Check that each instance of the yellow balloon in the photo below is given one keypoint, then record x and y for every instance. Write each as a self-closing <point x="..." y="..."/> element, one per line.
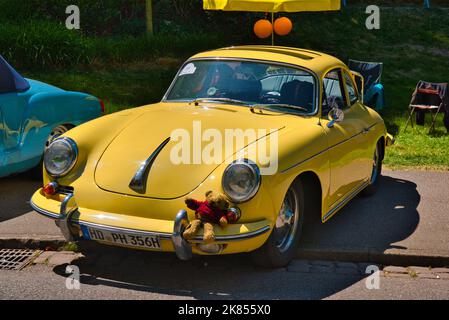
<point x="283" y="26"/>
<point x="263" y="28"/>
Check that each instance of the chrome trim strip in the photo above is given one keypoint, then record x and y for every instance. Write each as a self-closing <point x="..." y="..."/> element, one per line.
<point x="284" y="64"/>
<point x="139" y="181"/>
<point x="44" y="212"/>
<point x="327" y="149"/>
<point x="345" y="201"/>
<point x="242" y="236"/>
<point x="168" y="236"/>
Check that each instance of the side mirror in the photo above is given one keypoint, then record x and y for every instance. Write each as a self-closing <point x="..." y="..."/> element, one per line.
<point x="336" y="115"/>
<point x="360" y="82"/>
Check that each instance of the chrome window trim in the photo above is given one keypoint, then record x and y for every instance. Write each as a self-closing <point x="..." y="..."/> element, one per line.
<point x="276" y="63"/>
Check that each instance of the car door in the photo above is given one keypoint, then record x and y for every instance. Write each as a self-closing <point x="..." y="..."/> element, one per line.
<point x="359" y="112"/>
<point x="2" y="140"/>
<point x="12" y="112"/>
<point x="345" y="140"/>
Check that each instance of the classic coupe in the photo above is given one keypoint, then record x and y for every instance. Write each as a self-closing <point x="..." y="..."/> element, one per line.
<point x="123" y="179"/>
<point x="32" y="115"/>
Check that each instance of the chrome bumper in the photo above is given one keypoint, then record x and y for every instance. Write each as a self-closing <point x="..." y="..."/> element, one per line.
<point x="182" y="247"/>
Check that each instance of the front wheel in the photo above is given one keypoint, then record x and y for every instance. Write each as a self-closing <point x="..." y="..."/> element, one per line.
<point x="282" y="245"/>
<point x="376" y="171"/>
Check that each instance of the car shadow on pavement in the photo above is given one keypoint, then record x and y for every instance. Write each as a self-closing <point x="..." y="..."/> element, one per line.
<point x="204" y="278"/>
<point x="373" y="223"/>
<point x="15" y="195"/>
<point x="365" y="224"/>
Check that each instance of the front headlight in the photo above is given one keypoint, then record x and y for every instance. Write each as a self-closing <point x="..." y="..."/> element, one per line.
<point x="241" y="180"/>
<point x="60" y="157"/>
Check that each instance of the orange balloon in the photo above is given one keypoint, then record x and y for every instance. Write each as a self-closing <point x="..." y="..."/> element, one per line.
<point x="283" y="26"/>
<point x="263" y="28"/>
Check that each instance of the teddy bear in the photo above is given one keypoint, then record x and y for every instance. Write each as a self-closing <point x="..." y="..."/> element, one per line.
<point x="214" y="211"/>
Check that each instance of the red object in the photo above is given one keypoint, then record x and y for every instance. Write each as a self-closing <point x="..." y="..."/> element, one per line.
<point x="428" y="91"/>
<point x="50" y="189"/>
<point x="232" y="217"/>
<point x="102" y="105"/>
<point x="205" y="212"/>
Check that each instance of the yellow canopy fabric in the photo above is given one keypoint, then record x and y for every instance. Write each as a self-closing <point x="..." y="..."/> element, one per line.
<point x="272" y="5"/>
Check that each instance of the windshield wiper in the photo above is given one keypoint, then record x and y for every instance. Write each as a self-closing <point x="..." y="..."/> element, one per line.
<point x="222" y="100"/>
<point x="280" y="105"/>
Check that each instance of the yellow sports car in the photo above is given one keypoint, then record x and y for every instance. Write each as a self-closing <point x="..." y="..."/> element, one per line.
<point x="281" y="132"/>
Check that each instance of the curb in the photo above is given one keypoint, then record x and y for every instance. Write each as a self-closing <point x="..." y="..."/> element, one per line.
<point x="308" y="253"/>
<point x="31" y="243"/>
<point x="375" y="257"/>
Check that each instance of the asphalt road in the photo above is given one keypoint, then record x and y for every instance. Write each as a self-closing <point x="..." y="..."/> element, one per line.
<point x="129" y="276"/>
<point x="408" y="216"/>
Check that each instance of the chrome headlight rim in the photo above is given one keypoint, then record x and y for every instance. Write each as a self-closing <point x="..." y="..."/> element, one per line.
<point x="256" y="172"/>
<point x="74" y="157"/>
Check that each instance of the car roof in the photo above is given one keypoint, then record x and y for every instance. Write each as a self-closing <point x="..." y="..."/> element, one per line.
<point x="313" y="60"/>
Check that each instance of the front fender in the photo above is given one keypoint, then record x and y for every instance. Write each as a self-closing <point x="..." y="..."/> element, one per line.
<point x="46" y="111"/>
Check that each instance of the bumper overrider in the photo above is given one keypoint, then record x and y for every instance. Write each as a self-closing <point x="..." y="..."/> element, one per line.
<point x="68" y="218"/>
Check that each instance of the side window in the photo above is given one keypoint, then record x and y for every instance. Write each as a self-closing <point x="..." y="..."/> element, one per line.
<point x="352" y="92"/>
<point x="333" y="91"/>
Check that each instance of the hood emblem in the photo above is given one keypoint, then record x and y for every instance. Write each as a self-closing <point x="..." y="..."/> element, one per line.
<point x="139" y="181"/>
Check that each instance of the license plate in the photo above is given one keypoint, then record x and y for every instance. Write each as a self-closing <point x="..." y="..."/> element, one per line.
<point x="122" y="238"/>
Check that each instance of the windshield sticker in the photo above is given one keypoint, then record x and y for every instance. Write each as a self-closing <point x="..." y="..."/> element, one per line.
<point x="212" y="91"/>
<point x="188" y="69"/>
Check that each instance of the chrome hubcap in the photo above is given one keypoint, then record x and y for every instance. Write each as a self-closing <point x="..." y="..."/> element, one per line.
<point x="287" y="222"/>
<point x="375" y="166"/>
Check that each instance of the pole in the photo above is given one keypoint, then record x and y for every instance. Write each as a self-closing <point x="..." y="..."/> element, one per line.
<point x="149" y="14"/>
<point x="272" y="23"/>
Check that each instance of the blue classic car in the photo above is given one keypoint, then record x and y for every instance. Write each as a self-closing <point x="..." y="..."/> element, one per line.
<point x="32" y="114"/>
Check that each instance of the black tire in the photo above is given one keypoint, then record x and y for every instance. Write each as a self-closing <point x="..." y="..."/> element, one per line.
<point x="56" y="133"/>
<point x="420" y="117"/>
<point x="274" y="254"/>
<point x="377" y="171"/>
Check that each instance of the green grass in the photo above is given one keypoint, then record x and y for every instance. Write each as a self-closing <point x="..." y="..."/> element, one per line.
<point x="131" y="71"/>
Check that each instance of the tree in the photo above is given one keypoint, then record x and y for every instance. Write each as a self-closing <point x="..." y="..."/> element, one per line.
<point x="149" y="14"/>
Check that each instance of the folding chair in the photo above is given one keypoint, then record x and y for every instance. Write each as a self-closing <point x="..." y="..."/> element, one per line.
<point x="374" y="93"/>
<point x="427" y="97"/>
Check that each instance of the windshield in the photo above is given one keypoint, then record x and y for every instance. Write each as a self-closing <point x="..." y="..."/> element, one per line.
<point x="250" y="83"/>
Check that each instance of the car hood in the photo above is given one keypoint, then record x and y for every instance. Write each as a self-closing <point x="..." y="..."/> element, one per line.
<point x="147" y="138"/>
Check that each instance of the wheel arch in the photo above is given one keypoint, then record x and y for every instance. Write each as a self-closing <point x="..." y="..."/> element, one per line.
<point x="314" y="194"/>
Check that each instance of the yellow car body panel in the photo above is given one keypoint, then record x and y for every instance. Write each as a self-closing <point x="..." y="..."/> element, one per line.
<point x="112" y="148"/>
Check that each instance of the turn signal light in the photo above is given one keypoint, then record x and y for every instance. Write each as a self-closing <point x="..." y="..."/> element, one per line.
<point x="51" y="189"/>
